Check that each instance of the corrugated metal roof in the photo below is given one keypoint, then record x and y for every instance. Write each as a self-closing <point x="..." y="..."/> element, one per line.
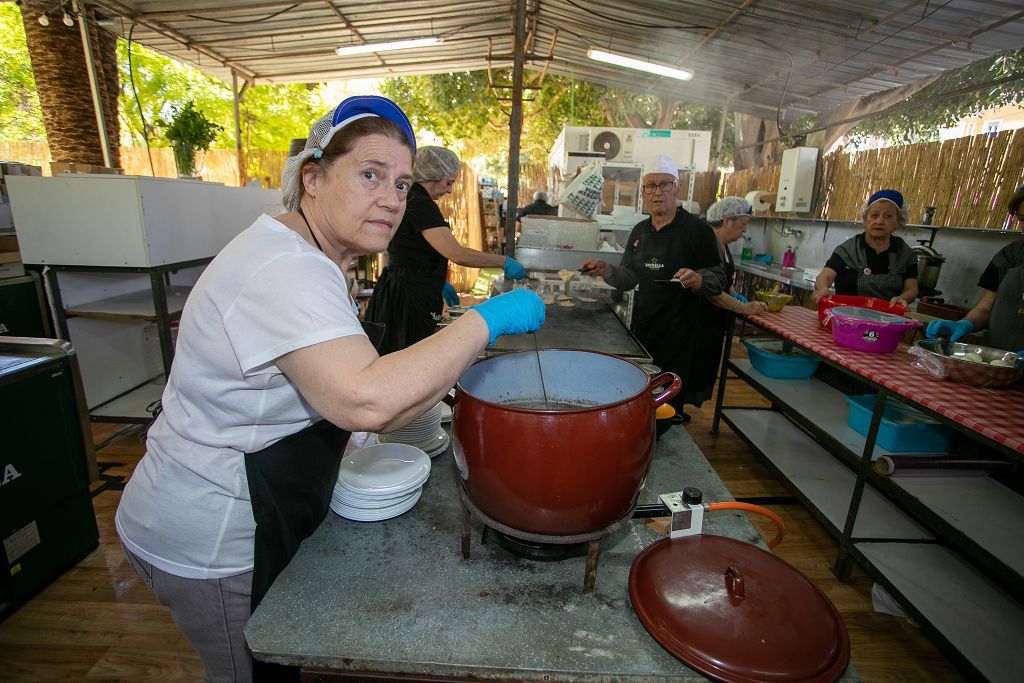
<point x="805" y="55"/>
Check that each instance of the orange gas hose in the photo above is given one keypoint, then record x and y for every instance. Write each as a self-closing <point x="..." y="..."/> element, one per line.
<point x="780" y="529"/>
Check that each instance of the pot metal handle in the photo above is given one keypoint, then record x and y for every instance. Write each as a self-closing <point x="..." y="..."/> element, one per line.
<point x="449" y="400"/>
<point x="734" y="583"/>
<point x="674" y="385"/>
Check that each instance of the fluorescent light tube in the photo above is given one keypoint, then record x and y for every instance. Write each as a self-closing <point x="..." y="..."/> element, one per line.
<point x="638" y="64"/>
<point x="384" y="47"/>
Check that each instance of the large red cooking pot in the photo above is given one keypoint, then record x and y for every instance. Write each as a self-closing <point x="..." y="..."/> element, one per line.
<point x="569" y="466"/>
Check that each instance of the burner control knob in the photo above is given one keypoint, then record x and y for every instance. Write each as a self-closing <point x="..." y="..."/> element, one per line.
<point x="692" y="496"/>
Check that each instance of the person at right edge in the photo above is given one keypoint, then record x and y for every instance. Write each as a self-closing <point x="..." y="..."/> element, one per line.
<point x="1001" y="308"/>
<point x="674" y="258"/>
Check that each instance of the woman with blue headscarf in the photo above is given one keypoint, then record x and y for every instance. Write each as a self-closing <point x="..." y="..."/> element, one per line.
<point x="273" y="370"/>
<point x="875" y="263"/>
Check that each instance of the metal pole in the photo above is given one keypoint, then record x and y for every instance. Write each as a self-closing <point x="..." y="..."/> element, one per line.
<point x="90" y="67"/>
<point x="721" y="134"/>
<point x="515" y="129"/>
<point x="238" y="130"/>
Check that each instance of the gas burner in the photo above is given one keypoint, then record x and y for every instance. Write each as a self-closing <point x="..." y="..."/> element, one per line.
<point x="540" y="546"/>
<point x="544" y="552"/>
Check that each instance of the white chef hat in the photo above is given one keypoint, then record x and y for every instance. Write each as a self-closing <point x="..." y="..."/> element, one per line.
<point x="662" y="164"/>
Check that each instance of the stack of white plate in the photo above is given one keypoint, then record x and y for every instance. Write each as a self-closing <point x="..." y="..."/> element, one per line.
<point x="425" y="433"/>
<point x="379" y="482"/>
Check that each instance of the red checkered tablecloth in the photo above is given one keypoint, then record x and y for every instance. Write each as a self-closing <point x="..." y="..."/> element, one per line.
<point x="997" y="414"/>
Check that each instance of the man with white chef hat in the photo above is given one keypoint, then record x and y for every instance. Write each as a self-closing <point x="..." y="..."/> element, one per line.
<point x="673" y="257"/>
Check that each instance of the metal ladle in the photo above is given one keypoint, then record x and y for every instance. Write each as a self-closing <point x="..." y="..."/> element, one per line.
<point x="536" y="351"/>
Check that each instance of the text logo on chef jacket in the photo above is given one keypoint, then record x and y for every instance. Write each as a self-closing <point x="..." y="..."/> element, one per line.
<point x="654" y="264"/>
<point x="10" y="474"/>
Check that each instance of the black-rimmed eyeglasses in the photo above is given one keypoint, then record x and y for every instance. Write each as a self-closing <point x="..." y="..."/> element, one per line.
<point x="649" y="188"/>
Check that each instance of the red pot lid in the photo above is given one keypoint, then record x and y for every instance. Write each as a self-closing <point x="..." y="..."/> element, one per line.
<point x="736" y="613"/>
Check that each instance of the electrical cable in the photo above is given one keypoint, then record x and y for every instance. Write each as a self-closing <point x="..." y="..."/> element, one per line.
<point x="135" y="92"/>
<point x="243" y="21"/>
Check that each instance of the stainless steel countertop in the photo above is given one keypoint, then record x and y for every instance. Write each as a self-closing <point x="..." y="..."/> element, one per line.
<point x="794" y="277"/>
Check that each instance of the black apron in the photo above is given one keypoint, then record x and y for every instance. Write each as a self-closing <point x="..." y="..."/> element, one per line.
<point x="715" y="322"/>
<point x="290" y="486"/>
<point x="1006" y="324"/>
<point x="666" y="316"/>
<point x="879" y="285"/>
<point x="407" y="301"/>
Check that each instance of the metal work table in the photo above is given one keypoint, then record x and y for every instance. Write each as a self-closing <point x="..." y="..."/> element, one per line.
<point x="396" y="598"/>
<point x="590" y="326"/>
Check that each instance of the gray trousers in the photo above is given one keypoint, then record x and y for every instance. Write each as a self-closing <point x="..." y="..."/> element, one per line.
<point x="211" y="613"/>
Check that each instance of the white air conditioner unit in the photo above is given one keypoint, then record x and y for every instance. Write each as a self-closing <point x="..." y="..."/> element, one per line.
<point x="617" y="144"/>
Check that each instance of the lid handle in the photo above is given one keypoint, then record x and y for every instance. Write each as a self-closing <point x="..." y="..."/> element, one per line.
<point x="734" y="583"/>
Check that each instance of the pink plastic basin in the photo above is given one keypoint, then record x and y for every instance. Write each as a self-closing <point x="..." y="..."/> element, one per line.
<point x="868" y="330"/>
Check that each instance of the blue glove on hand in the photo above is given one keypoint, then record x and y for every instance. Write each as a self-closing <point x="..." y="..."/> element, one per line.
<point x="743" y="299"/>
<point x="520" y="311"/>
<point x="450" y="296"/>
<point x="514" y="269"/>
<point x="953" y="329"/>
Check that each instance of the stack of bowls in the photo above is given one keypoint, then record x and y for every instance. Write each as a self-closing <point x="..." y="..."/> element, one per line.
<point x="379" y="482"/>
<point x="425" y="433"/>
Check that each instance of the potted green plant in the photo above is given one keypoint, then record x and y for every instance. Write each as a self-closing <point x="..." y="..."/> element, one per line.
<point x="188" y="131"/>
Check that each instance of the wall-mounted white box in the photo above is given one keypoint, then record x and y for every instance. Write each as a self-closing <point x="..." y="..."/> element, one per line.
<point x="796" y="179"/>
<point x="133" y="221"/>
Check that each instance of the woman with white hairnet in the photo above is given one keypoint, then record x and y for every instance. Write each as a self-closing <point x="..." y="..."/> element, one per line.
<point x="728" y="217"/>
<point x="874" y="263"/>
<point x="272" y="372"/>
<point x="409" y="296"/>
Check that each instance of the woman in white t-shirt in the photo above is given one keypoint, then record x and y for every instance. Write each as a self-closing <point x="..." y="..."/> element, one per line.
<point x="272" y="372"/>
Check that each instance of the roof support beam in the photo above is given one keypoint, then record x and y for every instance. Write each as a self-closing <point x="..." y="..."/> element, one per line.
<point x="114" y="7"/>
<point x="347" y="24"/>
<point x="515" y="128"/>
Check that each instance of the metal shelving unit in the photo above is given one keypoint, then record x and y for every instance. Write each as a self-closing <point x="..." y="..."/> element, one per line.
<point x="161" y="305"/>
<point x="946" y="547"/>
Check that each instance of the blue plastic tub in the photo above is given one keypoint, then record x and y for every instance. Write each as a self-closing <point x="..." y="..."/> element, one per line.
<point x="770" y="358"/>
<point x="902" y="430"/>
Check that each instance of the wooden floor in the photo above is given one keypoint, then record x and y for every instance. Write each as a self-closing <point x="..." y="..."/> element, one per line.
<point x="98" y="622"/>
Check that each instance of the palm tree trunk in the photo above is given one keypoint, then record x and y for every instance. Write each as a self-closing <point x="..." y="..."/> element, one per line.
<point x="58" y="64"/>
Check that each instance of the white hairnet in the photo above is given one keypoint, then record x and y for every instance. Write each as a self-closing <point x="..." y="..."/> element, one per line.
<point x="728" y="207"/>
<point x="540" y="196"/>
<point x="434" y="163"/>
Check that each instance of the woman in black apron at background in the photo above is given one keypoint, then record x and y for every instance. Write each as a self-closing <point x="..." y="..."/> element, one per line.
<point x="662" y="257"/>
<point x="875" y="263"/>
<point x="407" y="299"/>
<point x="272" y="372"/>
<point x="728" y="218"/>
<point x="1001" y="308"/>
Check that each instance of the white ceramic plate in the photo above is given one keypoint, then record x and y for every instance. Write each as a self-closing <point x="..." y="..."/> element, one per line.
<point x="346" y="498"/>
<point x="384" y="468"/>
<point x="446" y="412"/>
<point x="379" y="514"/>
<point x="441" y="445"/>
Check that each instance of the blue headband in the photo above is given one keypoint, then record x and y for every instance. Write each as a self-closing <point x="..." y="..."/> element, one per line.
<point x="361" y="106"/>
<point x="889" y="196"/>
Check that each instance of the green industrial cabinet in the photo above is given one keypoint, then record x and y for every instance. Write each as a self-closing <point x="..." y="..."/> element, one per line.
<point x="47" y="522"/>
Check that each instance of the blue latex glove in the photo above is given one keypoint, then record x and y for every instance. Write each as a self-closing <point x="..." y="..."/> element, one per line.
<point x="520" y="311"/>
<point x="514" y="269"/>
<point x="450" y="296"/>
<point x="953" y="329"/>
<point x="743" y="299"/>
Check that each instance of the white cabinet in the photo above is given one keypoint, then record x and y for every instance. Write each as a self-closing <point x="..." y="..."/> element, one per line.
<point x="121" y="254"/>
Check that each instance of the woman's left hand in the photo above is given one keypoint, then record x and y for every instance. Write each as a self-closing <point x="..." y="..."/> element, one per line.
<point x="513" y="269"/>
<point x="753" y="308"/>
<point x="899" y="301"/>
<point x="450" y="296"/>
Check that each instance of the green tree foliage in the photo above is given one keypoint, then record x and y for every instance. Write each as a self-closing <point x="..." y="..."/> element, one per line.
<point x="942" y="103"/>
<point x="470" y="111"/>
<point x="20" y="115"/>
<point x="270" y="115"/>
